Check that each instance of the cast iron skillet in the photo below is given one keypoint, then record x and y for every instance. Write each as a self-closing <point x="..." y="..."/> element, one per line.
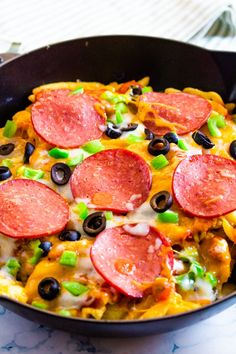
<point x="105" y="59"/>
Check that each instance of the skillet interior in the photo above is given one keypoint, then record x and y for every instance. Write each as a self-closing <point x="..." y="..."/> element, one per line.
<point x="105" y="59"/>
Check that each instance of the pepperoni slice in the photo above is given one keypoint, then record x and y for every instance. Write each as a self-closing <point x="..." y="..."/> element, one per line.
<point x="127" y="261"/>
<point x="205" y="185"/>
<point x="66" y="120"/>
<point x="31" y="209"/>
<point x="117" y="180"/>
<point x="186" y="112"/>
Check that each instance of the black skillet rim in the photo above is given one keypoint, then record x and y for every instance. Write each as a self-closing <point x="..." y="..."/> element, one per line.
<point x="86" y="39"/>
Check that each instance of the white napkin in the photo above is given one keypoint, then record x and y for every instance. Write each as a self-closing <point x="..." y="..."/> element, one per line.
<point x="220" y="33"/>
<point x="36" y="23"/>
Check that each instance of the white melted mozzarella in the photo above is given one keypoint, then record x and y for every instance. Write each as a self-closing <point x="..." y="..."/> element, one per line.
<point x="203" y="291"/>
<point x="140" y="216"/>
<point x="65" y="192"/>
<point x="192" y="150"/>
<point x="143" y="214"/>
<point x="78" y="152"/>
<point x="86" y="267"/>
<point x="68" y="300"/>
<point x="45" y="182"/>
<point x="179" y="267"/>
<point x="74" y="223"/>
<point x="137" y="230"/>
<point x="139" y="131"/>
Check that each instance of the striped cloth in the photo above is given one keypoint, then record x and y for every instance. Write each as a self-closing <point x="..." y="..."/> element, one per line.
<point x="34" y="23"/>
<point x="220" y="33"/>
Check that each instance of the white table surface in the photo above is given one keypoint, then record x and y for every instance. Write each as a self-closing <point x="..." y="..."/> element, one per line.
<point x="213" y="336"/>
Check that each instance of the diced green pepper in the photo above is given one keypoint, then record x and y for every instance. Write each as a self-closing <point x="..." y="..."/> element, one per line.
<point x="65" y="313"/>
<point x="185" y="281"/>
<point x="58" y="153"/>
<point x="119" y="98"/>
<point x="82" y="209"/>
<point x="74" y="161"/>
<point x="34" y="244"/>
<point x="37" y="252"/>
<point x="210" y="278"/>
<point x="220" y="121"/>
<point x="31" y="173"/>
<point x="182" y="145"/>
<point x="108" y="215"/>
<point x="122" y="107"/>
<point x="133" y="139"/>
<point x="113" y="97"/>
<point x="214" y="123"/>
<point x="119" y="117"/>
<point x="13" y="266"/>
<point x="36" y="257"/>
<point x="68" y="258"/>
<point x="77" y="91"/>
<point x="107" y="95"/>
<point x="147" y="89"/>
<point x="10" y="129"/>
<point x="39" y="305"/>
<point x="197" y="270"/>
<point x="93" y="147"/>
<point x="159" y="162"/>
<point x="75" y="288"/>
<point x="168" y="216"/>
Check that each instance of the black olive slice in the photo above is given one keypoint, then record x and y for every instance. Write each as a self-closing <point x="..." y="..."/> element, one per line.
<point x="158" y="146"/>
<point x="6" y="149"/>
<point x="29" y="149"/>
<point x="69" y="235"/>
<point x="202" y="139"/>
<point x="171" y="137"/>
<point x="232" y="149"/>
<point x="60" y="173"/>
<point x="149" y="134"/>
<point x="161" y="201"/>
<point x="5" y="173"/>
<point x="136" y="90"/>
<point x="130" y="127"/>
<point x="49" y="288"/>
<point x="94" y="223"/>
<point x="45" y="246"/>
<point x="113" y="131"/>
